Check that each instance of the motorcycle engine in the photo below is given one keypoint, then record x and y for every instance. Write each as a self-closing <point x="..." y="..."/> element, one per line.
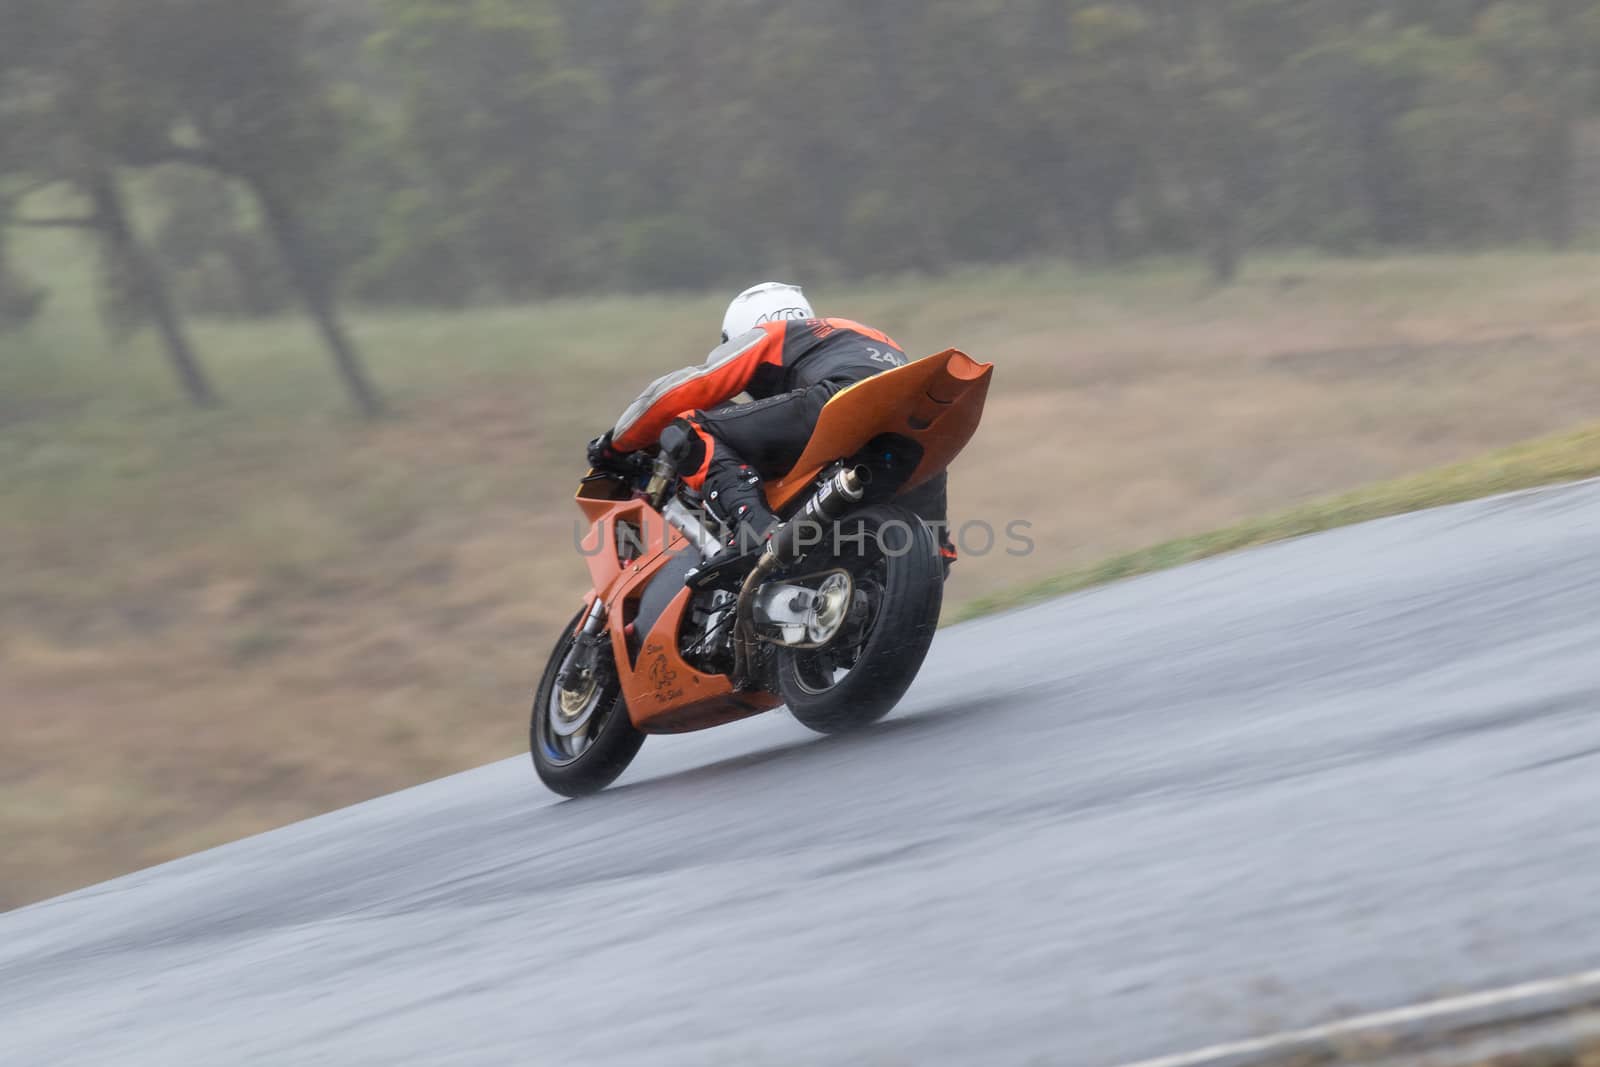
<point x="708" y="644"/>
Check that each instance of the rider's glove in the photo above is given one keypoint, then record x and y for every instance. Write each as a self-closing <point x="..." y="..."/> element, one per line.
<point x="602" y="455"/>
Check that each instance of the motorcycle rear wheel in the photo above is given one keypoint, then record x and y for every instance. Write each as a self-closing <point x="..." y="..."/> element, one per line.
<point x="899" y="580"/>
<point x="578" y="763"/>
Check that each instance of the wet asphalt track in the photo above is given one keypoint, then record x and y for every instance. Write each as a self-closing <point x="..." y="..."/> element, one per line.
<point x="1341" y="774"/>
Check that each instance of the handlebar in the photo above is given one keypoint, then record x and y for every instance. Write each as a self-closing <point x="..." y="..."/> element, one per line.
<point x="629" y="465"/>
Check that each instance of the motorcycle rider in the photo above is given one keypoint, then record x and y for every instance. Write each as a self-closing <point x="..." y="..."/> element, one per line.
<point x="776" y="349"/>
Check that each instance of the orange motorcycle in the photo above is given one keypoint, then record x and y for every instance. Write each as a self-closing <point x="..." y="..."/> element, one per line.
<point x="833" y="621"/>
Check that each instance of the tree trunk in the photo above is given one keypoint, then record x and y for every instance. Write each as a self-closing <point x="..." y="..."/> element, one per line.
<point x="311" y="282"/>
<point x="150" y="286"/>
<point x="1222" y="241"/>
<point x="1558" y="212"/>
<point x="1224" y="259"/>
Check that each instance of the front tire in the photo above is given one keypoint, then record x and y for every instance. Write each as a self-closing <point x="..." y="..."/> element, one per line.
<point x="577" y="760"/>
<point x="858" y="679"/>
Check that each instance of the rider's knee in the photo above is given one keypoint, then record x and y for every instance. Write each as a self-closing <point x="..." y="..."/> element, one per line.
<point x="679" y="442"/>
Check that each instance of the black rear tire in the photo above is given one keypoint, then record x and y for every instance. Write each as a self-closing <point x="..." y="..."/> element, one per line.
<point x="909" y="593"/>
<point x="614" y="740"/>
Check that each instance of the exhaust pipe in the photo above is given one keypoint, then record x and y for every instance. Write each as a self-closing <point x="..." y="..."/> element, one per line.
<point x="827" y="505"/>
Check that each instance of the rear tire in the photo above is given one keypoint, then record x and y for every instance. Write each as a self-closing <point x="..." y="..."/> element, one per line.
<point x="908" y="590"/>
<point x="611" y="739"/>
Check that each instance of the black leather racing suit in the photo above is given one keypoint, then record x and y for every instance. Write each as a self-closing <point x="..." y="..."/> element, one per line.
<point x="790" y="368"/>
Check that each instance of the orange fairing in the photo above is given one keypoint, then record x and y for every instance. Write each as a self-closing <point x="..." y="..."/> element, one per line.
<point x="935" y="402"/>
<point x="663" y="693"/>
<point x="643" y="534"/>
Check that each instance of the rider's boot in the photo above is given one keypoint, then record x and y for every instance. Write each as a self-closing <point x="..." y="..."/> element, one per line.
<point x="734" y="496"/>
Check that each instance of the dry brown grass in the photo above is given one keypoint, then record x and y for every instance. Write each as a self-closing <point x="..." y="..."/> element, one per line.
<point x="1551" y="1044"/>
<point x="213" y="624"/>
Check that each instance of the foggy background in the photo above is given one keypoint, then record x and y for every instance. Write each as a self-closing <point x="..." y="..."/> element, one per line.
<point x="441" y="152"/>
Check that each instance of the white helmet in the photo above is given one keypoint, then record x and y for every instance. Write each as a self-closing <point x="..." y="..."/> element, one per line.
<point x="764" y="303"/>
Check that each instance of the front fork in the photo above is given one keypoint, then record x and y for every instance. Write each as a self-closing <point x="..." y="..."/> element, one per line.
<point x="585" y="655"/>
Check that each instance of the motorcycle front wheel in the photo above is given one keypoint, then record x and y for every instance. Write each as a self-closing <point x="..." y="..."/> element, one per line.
<point x="898" y="577"/>
<point x="581" y="740"/>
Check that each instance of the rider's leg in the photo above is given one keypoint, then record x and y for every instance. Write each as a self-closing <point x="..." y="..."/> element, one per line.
<point x="734" y="495"/>
<point x="747" y="444"/>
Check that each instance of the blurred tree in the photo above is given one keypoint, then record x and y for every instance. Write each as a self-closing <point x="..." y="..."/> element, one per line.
<point x="446" y="151"/>
<point x="231" y="88"/>
<point x="207" y="232"/>
<point x="1105" y="100"/>
<point x="1206" y="126"/>
<point x="223" y="86"/>
<point x="71" y="108"/>
<point x="1544" y="52"/>
<point x="20" y="299"/>
<point x="500" y="121"/>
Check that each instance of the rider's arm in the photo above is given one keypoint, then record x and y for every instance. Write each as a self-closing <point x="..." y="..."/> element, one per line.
<point x="724" y="375"/>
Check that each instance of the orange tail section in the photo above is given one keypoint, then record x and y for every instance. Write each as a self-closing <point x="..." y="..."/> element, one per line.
<point x="936" y="402"/>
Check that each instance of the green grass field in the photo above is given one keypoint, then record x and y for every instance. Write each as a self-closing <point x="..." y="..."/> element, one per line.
<point x="214" y="622"/>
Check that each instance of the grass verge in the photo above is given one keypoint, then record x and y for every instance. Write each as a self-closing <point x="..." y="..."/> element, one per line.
<point x="1584" y="1055"/>
<point x="1549" y="460"/>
